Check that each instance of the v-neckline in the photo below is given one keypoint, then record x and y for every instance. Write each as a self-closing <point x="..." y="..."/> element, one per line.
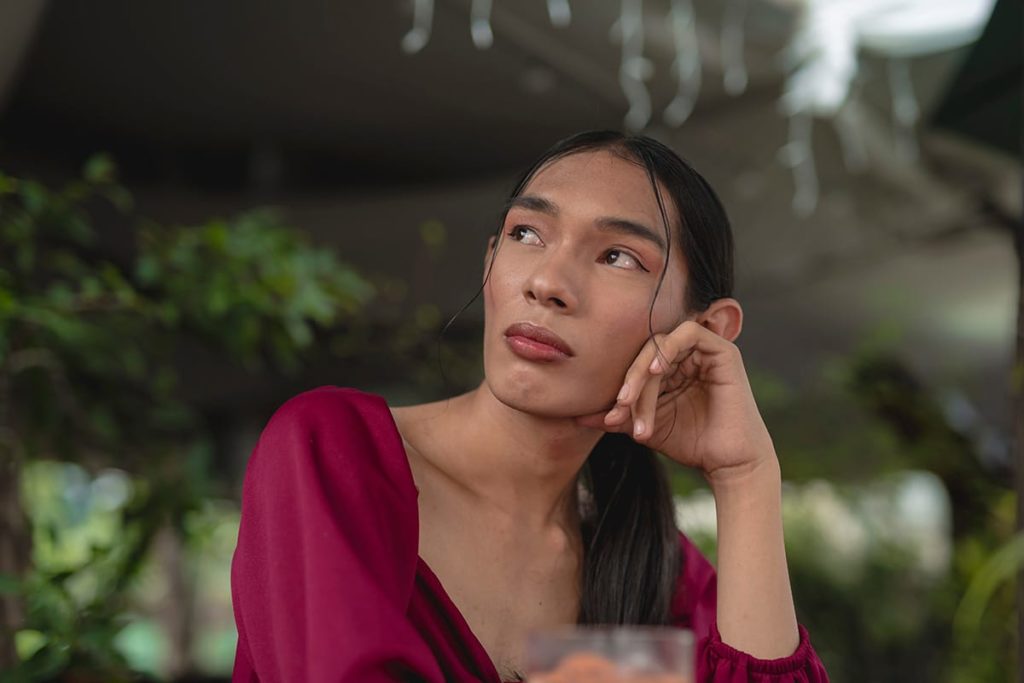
<point x="479" y="651"/>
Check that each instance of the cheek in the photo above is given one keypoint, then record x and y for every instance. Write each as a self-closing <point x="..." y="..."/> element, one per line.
<point x="623" y="332"/>
<point x="627" y="321"/>
<point x="670" y="306"/>
<point x="500" y="284"/>
<point x="502" y="289"/>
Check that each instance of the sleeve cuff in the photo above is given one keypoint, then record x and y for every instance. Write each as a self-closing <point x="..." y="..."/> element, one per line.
<point x="798" y="661"/>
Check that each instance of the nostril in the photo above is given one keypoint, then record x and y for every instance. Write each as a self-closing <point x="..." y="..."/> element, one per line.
<point x="558" y="302"/>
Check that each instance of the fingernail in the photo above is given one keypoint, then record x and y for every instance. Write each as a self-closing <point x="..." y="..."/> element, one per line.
<point x="623" y="392"/>
<point x="656" y="364"/>
<point x="638" y="428"/>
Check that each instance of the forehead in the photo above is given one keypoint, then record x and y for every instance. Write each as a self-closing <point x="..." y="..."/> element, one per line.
<point x="603" y="183"/>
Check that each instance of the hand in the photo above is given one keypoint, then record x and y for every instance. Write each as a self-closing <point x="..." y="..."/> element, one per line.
<point x="687" y="395"/>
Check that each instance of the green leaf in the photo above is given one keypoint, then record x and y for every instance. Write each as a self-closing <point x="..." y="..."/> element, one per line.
<point x="35" y="197"/>
<point x="147" y="269"/>
<point x="300" y="333"/>
<point x="100" y="169"/>
<point x="8" y="185"/>
<point x="120" y="198"/>
<point x="7" y="302"/>
<point x="78" y="230"/>
<point x="28" y="642"/>
<point x="47" y="662"/>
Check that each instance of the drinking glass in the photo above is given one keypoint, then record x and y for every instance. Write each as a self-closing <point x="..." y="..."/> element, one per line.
<point x="610" y="654"/>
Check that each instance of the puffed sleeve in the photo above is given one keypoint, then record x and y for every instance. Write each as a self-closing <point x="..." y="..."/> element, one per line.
<point x="327" y="550"/>
<point x="695" y="607"/>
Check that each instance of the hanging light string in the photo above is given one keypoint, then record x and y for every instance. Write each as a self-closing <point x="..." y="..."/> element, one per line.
<point x="559" y="13"/>
<point x="419" y="35"/>
<point x="734" y="68"/>
<point x="634" y="69"/>
<point x="821" y="61"/>
<point x="480" y="24"/>
<point x="798" y="155"/>
<point x="686" y="65"/>
<point x="905" y="110"/>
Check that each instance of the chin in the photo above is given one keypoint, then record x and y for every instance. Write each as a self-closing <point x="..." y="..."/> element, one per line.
<point x="543" y="397"/>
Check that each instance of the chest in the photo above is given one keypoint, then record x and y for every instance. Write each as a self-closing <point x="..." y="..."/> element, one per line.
<point x="502" y="601"/>
<point x="503" y="590"/>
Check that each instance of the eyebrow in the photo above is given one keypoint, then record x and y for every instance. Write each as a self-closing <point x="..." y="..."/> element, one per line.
<point x="607" y="223"/>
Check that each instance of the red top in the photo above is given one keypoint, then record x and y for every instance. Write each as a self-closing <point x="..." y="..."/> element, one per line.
<point x="327" y="583"/>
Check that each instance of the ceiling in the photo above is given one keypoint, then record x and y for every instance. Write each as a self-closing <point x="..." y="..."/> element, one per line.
<point x="213" y="107"/>
<point x="326" y="91"/>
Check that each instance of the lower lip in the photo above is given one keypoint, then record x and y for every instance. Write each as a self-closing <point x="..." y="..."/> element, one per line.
<point x="531" y="349"/>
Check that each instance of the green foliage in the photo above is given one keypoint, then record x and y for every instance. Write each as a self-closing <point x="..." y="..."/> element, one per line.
<point x="885" y="598"/>
<point x="866" y="420"/>
<point x="249" y="276"/>
<point x="88" y="353"/>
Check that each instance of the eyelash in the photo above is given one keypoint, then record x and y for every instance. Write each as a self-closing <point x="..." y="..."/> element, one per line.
<point x="630" y="255"/>
<point x="516" y="230"/>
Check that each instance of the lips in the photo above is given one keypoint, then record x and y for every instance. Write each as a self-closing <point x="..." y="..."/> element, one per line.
<point x="536" y="342"/>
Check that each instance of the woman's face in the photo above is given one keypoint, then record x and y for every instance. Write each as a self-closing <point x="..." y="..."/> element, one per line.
<point x="579" y="257"/>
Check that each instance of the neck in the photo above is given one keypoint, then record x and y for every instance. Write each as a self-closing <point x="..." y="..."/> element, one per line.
<point x="520" y="466"/>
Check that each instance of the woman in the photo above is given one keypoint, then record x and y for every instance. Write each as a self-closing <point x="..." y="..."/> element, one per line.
<point x="424" y="542"/>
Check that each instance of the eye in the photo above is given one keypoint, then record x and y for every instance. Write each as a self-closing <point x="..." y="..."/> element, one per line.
<point x="521" y="233"/>
<point x="622" y="259"/>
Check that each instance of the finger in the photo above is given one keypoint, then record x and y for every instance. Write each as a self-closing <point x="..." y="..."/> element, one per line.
<point x="644" y="409"/>
<point x="593" y="420"/>
<point x="673" y="384"/>
<point x="619" y="423"/>
<point x="617" y="415"/>
<point x="663" y="351"/>
<point x="692" y="335"/>
<point x="639" y="371"/>
<point x="695" y="351"/>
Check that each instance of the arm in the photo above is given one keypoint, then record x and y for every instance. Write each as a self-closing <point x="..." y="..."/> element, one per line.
<point x="695" y="606"/>
<point x="688" y="396"/>
<point x="326" y="557"/>
<point x="755" y="602"/>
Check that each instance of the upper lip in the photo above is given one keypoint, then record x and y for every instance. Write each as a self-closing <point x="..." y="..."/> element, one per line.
<point x="539" y="334"/>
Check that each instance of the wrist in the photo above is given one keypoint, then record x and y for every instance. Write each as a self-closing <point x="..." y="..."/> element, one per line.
<point x="763" y="473"/>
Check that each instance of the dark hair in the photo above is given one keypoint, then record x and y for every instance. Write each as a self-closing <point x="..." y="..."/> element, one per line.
<point x="631" y="545"/>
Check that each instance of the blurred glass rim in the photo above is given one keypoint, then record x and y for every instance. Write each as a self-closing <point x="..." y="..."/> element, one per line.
<point x="614" y="635"/>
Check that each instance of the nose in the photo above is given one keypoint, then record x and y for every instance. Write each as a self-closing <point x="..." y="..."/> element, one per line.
<point x="551" y="284"/>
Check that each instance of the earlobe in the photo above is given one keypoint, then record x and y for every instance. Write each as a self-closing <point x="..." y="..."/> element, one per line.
<point x="724" y="317"/>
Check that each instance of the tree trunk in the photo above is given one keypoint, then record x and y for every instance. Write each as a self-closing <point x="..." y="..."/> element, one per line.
<point x="178" y="612"/>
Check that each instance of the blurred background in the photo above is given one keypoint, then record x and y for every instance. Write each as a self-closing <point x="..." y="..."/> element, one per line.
<point x="206" y="208"/>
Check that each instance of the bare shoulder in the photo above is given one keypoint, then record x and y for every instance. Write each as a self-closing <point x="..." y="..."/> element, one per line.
<point x="422" y="427"/>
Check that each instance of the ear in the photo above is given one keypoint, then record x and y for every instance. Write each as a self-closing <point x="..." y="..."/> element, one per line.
<point x="724" y="317"/>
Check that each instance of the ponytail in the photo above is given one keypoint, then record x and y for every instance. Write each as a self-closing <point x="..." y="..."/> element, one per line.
<point x="631" y="547"/>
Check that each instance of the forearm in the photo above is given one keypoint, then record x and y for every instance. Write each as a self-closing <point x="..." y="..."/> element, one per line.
<point x="755" y="601"/>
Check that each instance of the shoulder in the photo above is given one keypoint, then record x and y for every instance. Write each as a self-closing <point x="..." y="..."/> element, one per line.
<point x="330" y="415"/>
<point x="327" y="407"/>
<point x="330" y="429"/>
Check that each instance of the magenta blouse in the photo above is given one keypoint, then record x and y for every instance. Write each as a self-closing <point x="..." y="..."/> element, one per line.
<point x="328" y="585"/>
